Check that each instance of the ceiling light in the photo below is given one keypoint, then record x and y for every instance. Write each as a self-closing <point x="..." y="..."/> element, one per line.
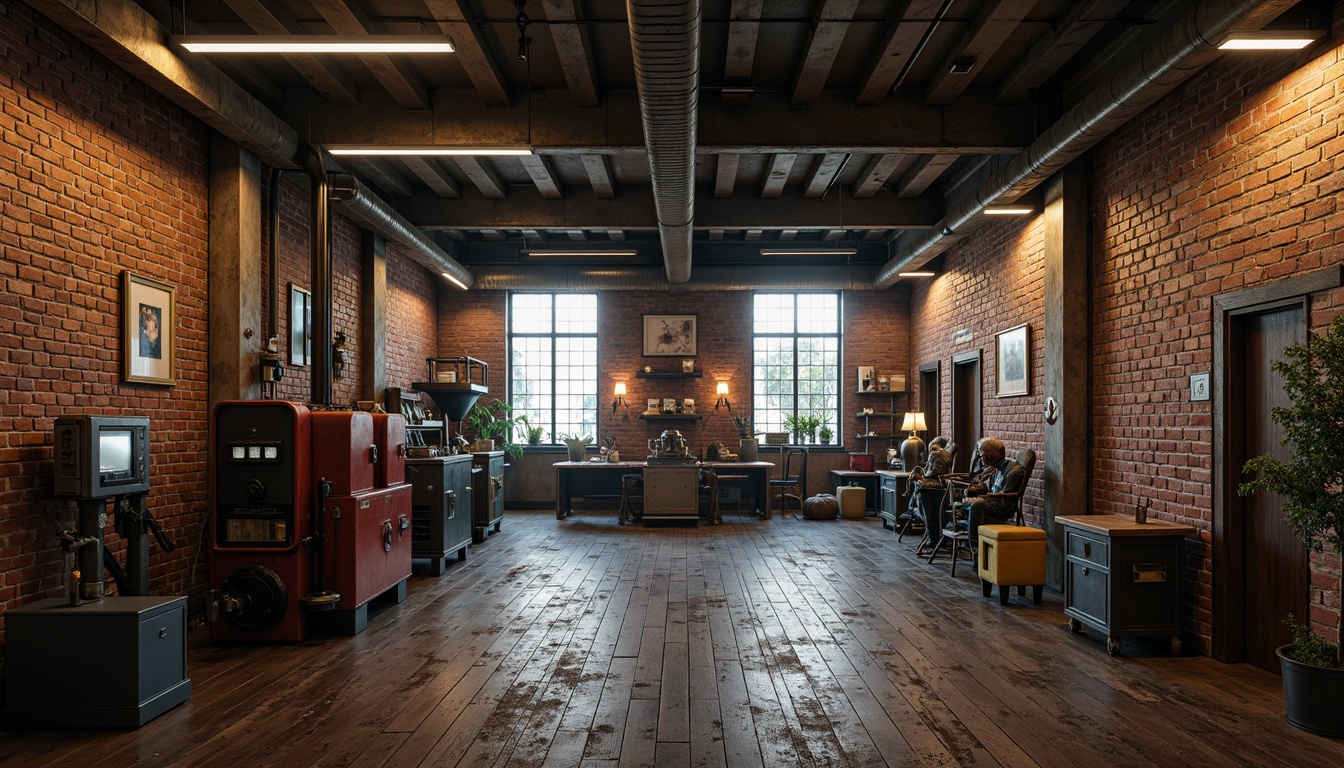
<point x="917" y="274"/>
<point x="809" y="252"/>
<point x="315" y="43"/>
<point x="1271" y="40"/>
<point x="457" y="282"/>
<point x="581" y="253"/>
<point x="427" y="149"/>
<point x="1009" y="210"/>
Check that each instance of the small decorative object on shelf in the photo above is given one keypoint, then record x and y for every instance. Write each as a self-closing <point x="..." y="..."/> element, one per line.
<point x="866" y="378"/>
<point x="883" y="384"/>
<point x="687" y="366"/>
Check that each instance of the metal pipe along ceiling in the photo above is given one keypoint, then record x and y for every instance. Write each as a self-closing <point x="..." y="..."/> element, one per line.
<point x="1183" y="50"/>
<point x="665" y="43"/>
<point x="707" y="278"/>
<point x="360" y="204"/>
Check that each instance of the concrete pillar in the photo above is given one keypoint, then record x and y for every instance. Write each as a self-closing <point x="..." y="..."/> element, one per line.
<point x="236" y="324"/>
<point x="373" y="338"/>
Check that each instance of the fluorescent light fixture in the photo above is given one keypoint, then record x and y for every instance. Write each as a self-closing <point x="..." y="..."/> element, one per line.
<point x="809" y="252"/>
<point x="1271" y="40"/>
<point x="581" y="253"/>
<point x="370" y="150"/>
<point x="917" y="274"/>
<point x="454" y="280"/>
<point x="314" y="43"/>
<point x="1009" y="210"/>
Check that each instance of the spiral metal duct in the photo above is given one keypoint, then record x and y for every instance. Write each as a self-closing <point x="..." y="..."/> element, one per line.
<point x="665" y="42"/>
<point x="1186" y="47"/>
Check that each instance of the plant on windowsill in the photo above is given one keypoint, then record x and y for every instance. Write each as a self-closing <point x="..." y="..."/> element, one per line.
<point x="534" y="435"/>
<point x="495" y="421"/>
<point x="807" y="425"/>
<point x="825" y="433"/>
<point x="1312" y="484"/>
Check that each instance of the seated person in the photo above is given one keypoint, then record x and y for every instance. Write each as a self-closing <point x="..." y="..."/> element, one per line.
<point x="938" y="464"/>
<point x="1007" y="477"/>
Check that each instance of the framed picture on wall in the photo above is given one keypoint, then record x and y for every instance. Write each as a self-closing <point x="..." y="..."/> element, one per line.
<point x="1012" y="361"/>
<point x="300" y="326"/>
<point x="147" y="311"/>
<point x="669" y="335"/>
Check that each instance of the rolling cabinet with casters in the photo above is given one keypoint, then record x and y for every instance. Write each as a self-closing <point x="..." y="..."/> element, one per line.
<point x="441" y="509"/>
<point x="1123" y="578"/>
<point x="487" y="500"/>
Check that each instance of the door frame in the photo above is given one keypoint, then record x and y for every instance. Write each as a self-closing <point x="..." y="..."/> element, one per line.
<point x="963" y="359"/>
<point x="931" y="396"/>
<point x="1228" y="530"/>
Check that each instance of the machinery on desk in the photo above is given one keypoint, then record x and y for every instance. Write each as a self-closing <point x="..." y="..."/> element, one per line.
<point x="671" y="479"/>
<point x="455" y="384"/>
<point x="309" y="521"/>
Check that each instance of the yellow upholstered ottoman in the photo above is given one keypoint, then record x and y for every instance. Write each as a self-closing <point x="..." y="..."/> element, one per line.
<point x="1012" y="556"/>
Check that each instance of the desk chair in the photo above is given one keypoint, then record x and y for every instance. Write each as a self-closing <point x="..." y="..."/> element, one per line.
<point x="792" y="485"/>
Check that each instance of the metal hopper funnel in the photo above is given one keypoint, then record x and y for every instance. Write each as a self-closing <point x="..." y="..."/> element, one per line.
<point x="455" y="384"/>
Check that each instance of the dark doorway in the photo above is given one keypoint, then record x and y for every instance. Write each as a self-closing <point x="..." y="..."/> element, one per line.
<point x="931" y="398"/>
<point x="1275" y="568"/>
<point x="965" y="407"/>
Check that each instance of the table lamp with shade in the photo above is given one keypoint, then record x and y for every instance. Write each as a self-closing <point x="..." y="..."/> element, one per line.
<point x="912" y="449"/>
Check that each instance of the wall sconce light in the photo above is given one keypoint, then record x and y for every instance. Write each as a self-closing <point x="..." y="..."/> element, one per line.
<point x="721" y="389"/>
<point x="338" y="355"/>
<point x="620" y="398"/>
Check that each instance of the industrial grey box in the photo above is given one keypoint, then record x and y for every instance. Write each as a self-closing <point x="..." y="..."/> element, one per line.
<point x="115" y="663"/>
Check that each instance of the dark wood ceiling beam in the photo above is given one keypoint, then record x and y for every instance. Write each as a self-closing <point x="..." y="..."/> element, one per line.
<point x="395" y="74"/>
<point x="472" y="52"/>
<point x="542" y="171"/>
<point x="743" y="29"/>
<point x="633" y="211"/>
<point x="725" y="174"/>
<point x="715" y="235"/>
<point x="574" y="49"/>
<point x="777" y="175"/>
<point x="753" y="235"/>
<point x="433" y="175"/>
<point x="494" y="235"/>
<point x="832" y="235"/>
<point x="996" y="22"/>
<point x="325" y="76"/>
<point x="483" y="176"/>
<point x="824" y="40"/>
<point x="1060" y="43"/>
<point x="878" y="172"/>
<point x="898" y="45"/>
<point x="788" y="234"/>
<point x="616" y="235"/>
<point x="973" y="124"/>
<point x="577" y="235"/>
<point x="599" y="175"/>
<point x="380" y="174"/>
<point x="823" y="174"/>
<point x="923" y="174"/>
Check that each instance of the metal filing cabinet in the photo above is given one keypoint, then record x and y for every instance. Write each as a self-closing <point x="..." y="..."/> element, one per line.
<point x="115" y="663"/>
<point x="441" y="509"/>
<point x="487" y="500"/>
<point x="1123" y="578"/>
<point x="889" y="498"/>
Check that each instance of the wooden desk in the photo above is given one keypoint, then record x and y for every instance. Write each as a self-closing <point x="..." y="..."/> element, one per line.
<point x="603" y="479"/>
<point x="868" y="480"/>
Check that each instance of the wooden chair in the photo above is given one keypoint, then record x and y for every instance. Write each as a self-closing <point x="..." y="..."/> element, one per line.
<point x="959" y="533"/>
<point x="792" y="484"/>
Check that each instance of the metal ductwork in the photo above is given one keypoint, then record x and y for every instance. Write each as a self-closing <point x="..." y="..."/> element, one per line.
<point x="707" y="278"/>
<point x="360" y="204"/>
<point x="1182" y="51"/>
<point x="665" y="42"/>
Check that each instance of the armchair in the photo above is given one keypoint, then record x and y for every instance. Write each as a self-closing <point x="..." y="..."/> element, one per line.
<point x="955" y="526"/>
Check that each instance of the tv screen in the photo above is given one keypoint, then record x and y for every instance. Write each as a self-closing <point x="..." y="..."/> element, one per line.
<point x="114" y="452"/>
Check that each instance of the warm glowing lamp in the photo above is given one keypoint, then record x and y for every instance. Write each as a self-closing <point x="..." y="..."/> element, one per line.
<point x="912" y="449"/>
<point x="620" y="398"/>
<point x="721" y="389"/>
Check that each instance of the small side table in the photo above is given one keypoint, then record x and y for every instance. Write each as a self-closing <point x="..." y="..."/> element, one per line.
<point x="1124" y="578"/>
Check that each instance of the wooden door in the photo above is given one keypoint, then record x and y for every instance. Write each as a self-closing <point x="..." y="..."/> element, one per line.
<point x="1275" y="565"/>
<point x="965" y="407"/>
<point x="930" y="399"/>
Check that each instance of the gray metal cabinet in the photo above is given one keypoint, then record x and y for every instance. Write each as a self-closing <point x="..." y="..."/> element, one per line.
<point x="441" y="509"/>
<point x="487" y="501"/>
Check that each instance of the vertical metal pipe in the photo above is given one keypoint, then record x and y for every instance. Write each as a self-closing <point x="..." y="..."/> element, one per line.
<point x="273" y="252"/>
<point x="320" y="220"/>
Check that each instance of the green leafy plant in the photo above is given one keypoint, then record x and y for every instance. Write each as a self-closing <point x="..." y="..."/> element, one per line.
<point x="495" y="421"/>
<point x="743" y="427"/>
<point x="807" y="425"/>
<point x="794" y="427"/>
<point x="1310" y="648"/>
<point x="534" y="435"/>
<point x="1312" y="480"/>
<point x="825" y="433"/>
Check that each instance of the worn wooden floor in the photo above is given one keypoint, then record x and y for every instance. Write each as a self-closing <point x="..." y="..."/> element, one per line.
<point x="756" y="643"/>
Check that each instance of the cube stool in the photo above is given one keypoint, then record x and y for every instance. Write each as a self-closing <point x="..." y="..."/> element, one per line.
<point x="1012" y="556"/>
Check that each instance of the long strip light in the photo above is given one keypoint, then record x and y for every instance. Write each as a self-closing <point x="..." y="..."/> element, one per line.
<point x="920" y="273"/>
<point x="454" y="280"/>
<point x="1009" y="210"/>
<point x="383" y="150"/>
<point x="562" y="253"/>
<point x="1271" y="40"/>
<point x="808" y="252"/>
<point x="314" y="43"/>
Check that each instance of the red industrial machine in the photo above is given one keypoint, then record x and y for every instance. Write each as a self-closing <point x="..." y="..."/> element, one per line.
<point x="311" y="520"/>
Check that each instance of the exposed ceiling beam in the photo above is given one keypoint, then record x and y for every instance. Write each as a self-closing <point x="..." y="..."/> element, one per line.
<point x="827" y="34"/>
<point x="599" y="175"/>
<point x="434" y="175"/>
<point x="543" y="174"/>
<point x="725" y="174"/>
<point x="987" y="34"/>
<point x="325" y="76"/>
<point x="1059" y="44"/>
<point x="922" y="174"/>
<point x="753" y="235"/>
<point x="898" y="46"/>
<point x="823" y="173"/>
<point x="380" y="174"/>
<point x="574" y="48"/>
<point x="715" y="235"/>
<point x="577" y="235"/>
<point x="777" y="174"/>
<point x="743" y="29"/>
<point x="878" y="172"/>
<point x="472" y="53"/>
<point x="395" y="74"/>
<point x="483" y="176"/>
<point x="616" y="235"/>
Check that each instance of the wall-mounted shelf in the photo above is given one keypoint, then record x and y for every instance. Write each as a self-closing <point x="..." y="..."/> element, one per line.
<point x="671" y="416"/>
<point x="892" y="416"/>
<point x="672" y="375"/>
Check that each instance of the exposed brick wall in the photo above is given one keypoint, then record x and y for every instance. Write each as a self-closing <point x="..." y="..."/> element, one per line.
<point x="97" y="175"/>
<point x="412" y="318"/>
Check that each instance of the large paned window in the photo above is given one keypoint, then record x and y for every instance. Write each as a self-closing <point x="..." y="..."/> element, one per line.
<point x="795" y="359"/>
<point x="553" y="362"/>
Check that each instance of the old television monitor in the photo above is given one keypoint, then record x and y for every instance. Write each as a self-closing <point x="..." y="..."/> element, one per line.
<point x="101" y="456"/>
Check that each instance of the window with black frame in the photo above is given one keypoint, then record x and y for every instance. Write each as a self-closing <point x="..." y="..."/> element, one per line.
<point x="553" y="363"/>
<point x="796" y="363"/>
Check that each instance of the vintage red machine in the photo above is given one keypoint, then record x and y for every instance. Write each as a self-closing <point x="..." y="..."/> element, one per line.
<point x="310" y="520"/>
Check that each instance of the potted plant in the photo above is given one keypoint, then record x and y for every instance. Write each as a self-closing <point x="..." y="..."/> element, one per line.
<point x="825" y="433"/>
<point x="1312" y="483"/>
<point x="575" y="443"/>
<point x="794" y="426"/>
<point x="534" y="435"/>
<point x="495" y="421"/>
<point x="746" y="447"/>
<point x="807" y="425"/>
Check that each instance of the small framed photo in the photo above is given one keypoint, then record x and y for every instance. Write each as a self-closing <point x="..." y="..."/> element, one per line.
<point x="688" y="366"/>
<point x="669" y="335"/>
<point x="867" y="378"/>
<point x="1012" y="361"/>
<point x="669" y="405"/>
<point x="147" y="310"/>
<point x="300" y="326"/>
<point x="688" y="405"/>
<point x="653" y="405"/>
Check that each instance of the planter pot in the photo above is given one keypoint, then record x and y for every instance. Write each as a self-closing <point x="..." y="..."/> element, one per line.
<point x="575" y="450"/>
<point x="746" y="450"/>
<point x="1313" y="698"/>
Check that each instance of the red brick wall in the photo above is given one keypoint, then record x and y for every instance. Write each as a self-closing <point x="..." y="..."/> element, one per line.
<point x="412" y="318"/>
<point x="97" y="175"/>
